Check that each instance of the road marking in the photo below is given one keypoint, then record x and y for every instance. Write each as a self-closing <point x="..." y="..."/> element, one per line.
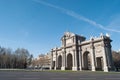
<point x="31" y="75"/>
<point x="88" y="78"/>
<point x="27" y="78"/>
<point x="113" y="78"/>
<point x="56" y="75"/>
<point x="58" y="78"/>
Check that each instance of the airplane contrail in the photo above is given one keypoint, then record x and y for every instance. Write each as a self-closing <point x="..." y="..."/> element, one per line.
<point x="76" y="15"/>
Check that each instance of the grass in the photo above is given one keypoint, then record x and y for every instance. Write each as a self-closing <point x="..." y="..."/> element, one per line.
<point x="12" y="69"/>
<point x="36" y="70"/>
<point x="94" y="72"/>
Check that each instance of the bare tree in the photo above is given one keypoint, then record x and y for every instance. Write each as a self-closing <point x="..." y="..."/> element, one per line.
<point x="23" y="56"/>
<point x="17" y="59"/>
<point x="29" y="61"/>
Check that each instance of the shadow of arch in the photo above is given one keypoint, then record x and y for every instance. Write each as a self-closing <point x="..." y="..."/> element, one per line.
<point x="99" y="61"/>
<point x="86" y="61"/>
<point x="59" y="62"/>
<point x="69" y="61"/>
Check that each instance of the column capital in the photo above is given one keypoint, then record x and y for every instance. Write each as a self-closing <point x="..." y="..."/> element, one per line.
<point x="92" y="46"/>
<point x="106" y="45"/>
<point x="56" y="52"/>
<point x="51" y="50"/>
<point x="63" y="52"/>
<point x="51" y="54"/>
<point x="73" y="50"/>
<point x="80" y="49"/>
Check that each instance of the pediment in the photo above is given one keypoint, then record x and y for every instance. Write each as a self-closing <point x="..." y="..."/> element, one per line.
<point x="69" y="34"/>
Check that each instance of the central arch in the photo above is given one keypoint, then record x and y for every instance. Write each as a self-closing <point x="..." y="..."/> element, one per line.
<point x="87" y="61"/>
<point x="69" y="61"/>
<point x="59" y="62"/>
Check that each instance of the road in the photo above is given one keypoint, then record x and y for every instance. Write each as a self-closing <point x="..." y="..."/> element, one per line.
<point x="47" y="75"/>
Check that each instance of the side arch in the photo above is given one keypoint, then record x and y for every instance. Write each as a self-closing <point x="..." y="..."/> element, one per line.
<point x="86" y="60"/>
<point x="59" y="62"/>
<point x="69" y="61"/>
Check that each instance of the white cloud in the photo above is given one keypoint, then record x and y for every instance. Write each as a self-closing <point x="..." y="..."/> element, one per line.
<point x="77" y="16"/>
<point x="115" y="22"/>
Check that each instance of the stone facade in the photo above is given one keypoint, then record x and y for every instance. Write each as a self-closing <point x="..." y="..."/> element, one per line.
<point x="77" y="53"/>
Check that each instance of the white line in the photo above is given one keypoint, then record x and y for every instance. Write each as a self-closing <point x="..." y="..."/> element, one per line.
<point x="113" y="78"/>
<point x="88" y="78"/>
<point x="27" y="78"/>
<point x="58" y="78"/>
<point x="76" y="16"/>
<point x="32" y="75"/>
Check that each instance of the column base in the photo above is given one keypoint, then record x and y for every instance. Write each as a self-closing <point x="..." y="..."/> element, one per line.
<point x="62" y="68"/>
<point x="80" y="68"/>
<point x="106" y="69"/>
<point x="93" y="69"/>
<point x="54" y="68"/>
<point x="74" y="68"/>
<point x="50" y="68"/>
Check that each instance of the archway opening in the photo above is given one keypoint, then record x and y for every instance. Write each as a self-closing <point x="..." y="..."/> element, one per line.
<point x="59" y="62"/>
<point x="69" y="61"/>
<point x="99" y="63"/>
<point x="87" y="61"/>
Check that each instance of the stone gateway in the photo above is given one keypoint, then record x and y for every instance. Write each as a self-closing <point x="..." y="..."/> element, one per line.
<point x="77" y="53"/>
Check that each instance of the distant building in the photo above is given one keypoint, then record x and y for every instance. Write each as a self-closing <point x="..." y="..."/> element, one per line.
<point x="48" y="60"/>
<point x="77" y="53"/>
<point x="42" y="61"/>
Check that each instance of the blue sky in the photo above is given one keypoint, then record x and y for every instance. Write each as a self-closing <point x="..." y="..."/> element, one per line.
<point x="38" y="25"/>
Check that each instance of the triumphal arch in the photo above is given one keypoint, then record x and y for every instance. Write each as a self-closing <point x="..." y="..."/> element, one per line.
<point x="77" y="53"/>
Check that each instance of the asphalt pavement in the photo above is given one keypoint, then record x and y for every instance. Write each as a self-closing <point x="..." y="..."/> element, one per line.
<point x="51" y="75"/>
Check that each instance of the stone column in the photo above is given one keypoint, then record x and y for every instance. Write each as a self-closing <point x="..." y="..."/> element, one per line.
<point x="51" y="63"/>
<point x="74" y="68"/>
<point x="66" y="60"/>
<point x="63" y="61"/>
<point x="56" y="60"/>
<point x="80" y="59"/>
<point x="104" y="58"/>
<point x="92" y="57"/>
<point x="109" y="57"/>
